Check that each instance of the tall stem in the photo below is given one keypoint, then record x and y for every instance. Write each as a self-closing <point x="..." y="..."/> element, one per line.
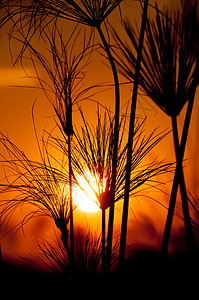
<point x="172" y="203"/>
<point x="62" y="226"/>
<point x="64" y="238"/>
<point x="179" y="177"/>
<point x="71" y="206"/>
<point x="130" y="140"/>
<point x="115" y="149"/>
<point x="103" y="240"/>
<point x="188" y="227"/>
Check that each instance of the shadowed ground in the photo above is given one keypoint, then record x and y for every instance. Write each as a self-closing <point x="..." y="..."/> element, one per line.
<point x="143" y="268"/>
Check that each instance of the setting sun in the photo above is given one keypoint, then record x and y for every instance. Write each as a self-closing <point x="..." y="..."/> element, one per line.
<point x="84" y="197"/>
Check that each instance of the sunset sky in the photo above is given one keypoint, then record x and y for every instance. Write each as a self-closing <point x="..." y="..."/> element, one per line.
<point x="146" y="217"/>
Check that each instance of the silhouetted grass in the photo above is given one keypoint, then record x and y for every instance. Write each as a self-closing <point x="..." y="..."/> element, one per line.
<point x="40" y="184"/>
<point x="65" y="71"/>
<point x="92" y="151"/>
<point x="30" y="18"/>
<point x="88" y="255"/>
<point x="101" y="150"/>
<point x="169" y="76"/>
<point x="130" y="139"/>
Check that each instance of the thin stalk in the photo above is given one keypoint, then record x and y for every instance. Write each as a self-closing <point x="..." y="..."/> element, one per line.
<point x="103" y="240"/>
<point x="179" y="177"/>
<point x="62" y="226"/>
<point x="184" y="197"/>
<point x="169" y="220"/>
<point x="172" y="203"/>
<point x="130" y="140"/>
<point x="64" y="238"/>
<point x="115" y="150"/>
<point x="187" y="219"/>
<point x="71" y="206"/>
<point x="68" y="129"/>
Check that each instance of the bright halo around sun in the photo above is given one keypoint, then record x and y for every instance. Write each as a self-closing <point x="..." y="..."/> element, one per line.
<point x="85" y="199"/>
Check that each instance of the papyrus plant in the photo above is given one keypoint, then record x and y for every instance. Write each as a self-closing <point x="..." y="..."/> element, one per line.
<point x="33" y="16"/>
<point x="92" y="151"/>
<point x="169" y="76"/>
<point x="43" y="186"/>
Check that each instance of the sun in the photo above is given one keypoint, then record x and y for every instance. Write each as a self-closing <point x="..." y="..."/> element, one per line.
<point x="84" y="197"/>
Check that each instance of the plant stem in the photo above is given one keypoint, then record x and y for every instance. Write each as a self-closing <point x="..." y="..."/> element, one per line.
<point x="62" y="226"/>
<point x="115" y="150"/>
<point x="71" y="206"/>
<point x="188" y="227"/>
<point x="103" y="240"/>
<point x="64" y="238"/>
<point x="179" y="177"/>
<point x="130" y="140"/>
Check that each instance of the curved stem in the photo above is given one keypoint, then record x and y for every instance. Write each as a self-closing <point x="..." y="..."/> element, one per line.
<point x="71" y="206"/>
<point x="172" y="203"/>
<point x="184" y="197"/>
<point x="64" y="238"/>
<point x="62" y="226"/>
<point x="130" y="140"/>
<point x="103" y="240"/>
<point x="115" y="149"/>
<point x="179" y="178"/>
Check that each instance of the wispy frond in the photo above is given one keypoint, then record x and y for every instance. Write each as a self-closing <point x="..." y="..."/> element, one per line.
<point x="30" y="182"/>
<point x="93" y="150"/>
<point x="54" y="257"/>
<point x="87" y="12"/>
<point x="32" y="16"/>
<point x="63" y="70"/>
<point x="169" y="72"/>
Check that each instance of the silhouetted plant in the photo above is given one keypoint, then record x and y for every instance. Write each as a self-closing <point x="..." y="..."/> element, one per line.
<point x="169" y="76"/>
<point x="53" y="256"/>
<point x="62" y="84"/>
<point x="113" y="163"/>
<point x="88" y="256"/>
<point x="130" y="139"/>
<point x="92" y="151"/>
<point x="88" y="253"/>
<point x="35" y="16"/>
<point x="38" y="183"/>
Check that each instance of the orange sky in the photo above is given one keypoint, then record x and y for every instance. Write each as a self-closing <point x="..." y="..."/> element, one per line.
<point x="147" y="218"/>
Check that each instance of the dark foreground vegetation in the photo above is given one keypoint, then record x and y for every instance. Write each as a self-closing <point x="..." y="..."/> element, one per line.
<point x="144" y="267"/>
<point x="155" y="58"/>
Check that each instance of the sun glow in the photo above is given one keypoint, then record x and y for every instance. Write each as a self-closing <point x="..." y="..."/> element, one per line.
<point x="84" y="197"/>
